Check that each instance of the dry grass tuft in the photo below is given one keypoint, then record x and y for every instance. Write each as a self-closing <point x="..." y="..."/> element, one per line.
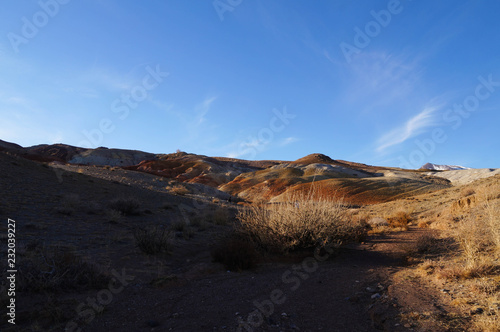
<point x="57" y="269"/>
<point x="426" y="243"/>
<point x="154" y="240"/>
<point x="179" y="190"/>
<point x="303" y="221"/>
<point x="492" y="209"/>
<point x="400" y="219"/>
<point x="462" y="270"/>
<point x="127" y="206"/>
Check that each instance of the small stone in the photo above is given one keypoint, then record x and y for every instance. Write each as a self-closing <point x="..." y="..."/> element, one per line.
<point x="445" y="290"/>
<point x="375" y="296"/>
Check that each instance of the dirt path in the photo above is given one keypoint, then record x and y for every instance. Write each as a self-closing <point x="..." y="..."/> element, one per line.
<point x="352" y="291"/>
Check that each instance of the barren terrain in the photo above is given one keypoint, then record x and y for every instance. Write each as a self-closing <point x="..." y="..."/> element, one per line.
<point x="146" y="246"/>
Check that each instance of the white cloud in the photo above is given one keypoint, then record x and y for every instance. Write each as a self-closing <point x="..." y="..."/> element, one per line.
<point x="413" y="127"/>
<point x="288" y="140"/>
<point x="202" y="110"/>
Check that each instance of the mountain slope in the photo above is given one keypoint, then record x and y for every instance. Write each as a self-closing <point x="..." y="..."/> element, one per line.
<point x="435" y="167"/>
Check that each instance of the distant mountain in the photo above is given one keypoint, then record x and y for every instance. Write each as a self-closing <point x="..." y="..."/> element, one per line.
<point x="250" y="180"/>
<point x="434" y="167"/>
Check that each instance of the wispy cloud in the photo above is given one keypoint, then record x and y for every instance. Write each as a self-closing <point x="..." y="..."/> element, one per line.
<point x="411" y="128"/>
<point x="379" y="78"/>
<point x="200" y="131"/>
<point x="202" y="110"/>
<point x="288" y="140"/>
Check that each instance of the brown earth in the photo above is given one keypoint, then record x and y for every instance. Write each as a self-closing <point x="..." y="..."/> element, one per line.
<point x="185" y="290"/>
<point x="383" y="283"/>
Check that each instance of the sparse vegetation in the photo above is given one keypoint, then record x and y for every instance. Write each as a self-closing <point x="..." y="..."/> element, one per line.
<point x="57" y="269"/>
<point x="426" y="243"/>
<point x="303" y="221"/>
<point x="179" y="190"/>
<point x="399" y="220"/>
<point x="127" y="206"/>
<point x="456" y="246"/>
<point x="153" y="240"/>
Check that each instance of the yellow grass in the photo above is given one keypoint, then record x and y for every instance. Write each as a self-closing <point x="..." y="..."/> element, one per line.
<point x="305" y="220"/>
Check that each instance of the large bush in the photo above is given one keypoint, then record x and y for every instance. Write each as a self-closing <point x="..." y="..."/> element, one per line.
<point x="304" y="220"/>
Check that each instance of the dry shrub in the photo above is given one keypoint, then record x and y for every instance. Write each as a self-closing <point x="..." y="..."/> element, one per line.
<point x="303" y="221"/>
<point x="399" y="220"/>
<point x="489" y="322"/>
<point x="179" y="190"/>
<point x="57" y="269"/>
<point x="424" y="223"/>
<point x="153" y="240"/>
<point x="428" y="266"/>
<point x="236" y="253"/>
<point x="487" y="292"/>
<point x="426" y="243"/>
<point x="481" y="266"/>
<point x="473" y="236"/>
<point x="477" y="258"/>
<point x="183" y="229"/>
<point x="493" y="222"/>
<point x="128" y="206"/>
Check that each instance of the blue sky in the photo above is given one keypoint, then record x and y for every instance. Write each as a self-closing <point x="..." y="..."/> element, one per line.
<point x="394" y="83"/>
